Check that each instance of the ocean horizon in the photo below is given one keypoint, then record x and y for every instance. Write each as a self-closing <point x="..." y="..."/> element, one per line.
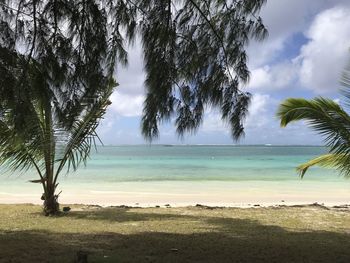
<point x="189" y="174"/>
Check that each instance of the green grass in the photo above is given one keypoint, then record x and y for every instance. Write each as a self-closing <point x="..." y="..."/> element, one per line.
<point x="192" y="234"/>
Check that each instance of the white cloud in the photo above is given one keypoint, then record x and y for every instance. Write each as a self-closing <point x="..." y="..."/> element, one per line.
<point x="106" y="125"/>
<point x="257" y="117"/>
<point x="325" y="24"/>
<point x="283" y="19"/>
<point x="127" y="105"/>
<point x="213" y="123"/>
<point x="260" y="77"/>
<point x="131" y="78"/>
<point x="258" y="104"/>
<point x="273" y="77"/>
<point x="127" y="100"/>
<point x="324" y="56"/>
<point x="259" y="111"/>
<point x="319" y="64"/>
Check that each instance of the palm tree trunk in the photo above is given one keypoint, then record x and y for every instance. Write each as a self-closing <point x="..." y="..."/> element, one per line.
<point x="51" y="205"/>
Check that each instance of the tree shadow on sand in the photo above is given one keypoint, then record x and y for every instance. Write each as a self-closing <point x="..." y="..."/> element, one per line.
<point x="230" y="240"/>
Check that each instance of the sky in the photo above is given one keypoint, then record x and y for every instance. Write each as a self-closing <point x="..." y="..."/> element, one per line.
<point x="304" y="55"/>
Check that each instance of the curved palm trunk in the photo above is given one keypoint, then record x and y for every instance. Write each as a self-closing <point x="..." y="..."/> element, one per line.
<point x="51" y="205"/>
<point x="50" y="198"/>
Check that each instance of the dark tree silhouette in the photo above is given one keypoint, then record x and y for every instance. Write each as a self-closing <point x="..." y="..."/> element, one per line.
<point x="194" y="50"/>
<point x="58" y="59"/>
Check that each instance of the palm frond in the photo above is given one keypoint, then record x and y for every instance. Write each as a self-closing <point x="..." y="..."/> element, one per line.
<point x="322" y="115"/>
<point x="83" y="135"/>
<point x="340" y="162"/>
<point x="345" y="90"/>
<point x="15" y="154"/>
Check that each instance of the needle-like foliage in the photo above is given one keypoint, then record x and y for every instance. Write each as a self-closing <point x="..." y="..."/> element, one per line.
<point x="58" y="59"/>
<point x="39" y="130"/>
<point x="195" y="57"/>
<point x="194" y="50"/>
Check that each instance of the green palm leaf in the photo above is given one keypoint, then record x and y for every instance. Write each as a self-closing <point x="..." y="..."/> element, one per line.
<point x="324" y="116"/>
<point x="330" y="120"/>
<point x="337" y="161"/>
<point x="47" y="128"/>
<point x="82" y="135"/>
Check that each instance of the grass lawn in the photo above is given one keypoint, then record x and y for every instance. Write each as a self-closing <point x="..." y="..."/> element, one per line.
<point x="191" y="234"/>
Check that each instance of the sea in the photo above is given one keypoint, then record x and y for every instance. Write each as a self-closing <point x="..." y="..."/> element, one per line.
<point x="149" y="175"/>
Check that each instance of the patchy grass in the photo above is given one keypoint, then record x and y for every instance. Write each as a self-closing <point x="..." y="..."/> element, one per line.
<point x="191" y="234"/>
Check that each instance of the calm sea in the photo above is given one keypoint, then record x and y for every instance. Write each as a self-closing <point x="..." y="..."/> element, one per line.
<point x="200" y="163"/>
<point x="167" y="169"/>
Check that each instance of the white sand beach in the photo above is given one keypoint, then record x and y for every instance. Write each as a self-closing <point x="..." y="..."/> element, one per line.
<point x="234" y="194"/>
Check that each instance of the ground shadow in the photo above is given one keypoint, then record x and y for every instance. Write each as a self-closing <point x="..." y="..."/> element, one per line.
<point x="232" y="240"/>
<point x="117" y="214"/>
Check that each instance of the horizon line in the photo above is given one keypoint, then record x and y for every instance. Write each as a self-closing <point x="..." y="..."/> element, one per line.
<point x="214" y="144"/>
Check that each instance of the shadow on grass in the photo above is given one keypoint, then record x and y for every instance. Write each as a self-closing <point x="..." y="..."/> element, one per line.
<point x="231" y="240"/>
<point x="113" y="214"/>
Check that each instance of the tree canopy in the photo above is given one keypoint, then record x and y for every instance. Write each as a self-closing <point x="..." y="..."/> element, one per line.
<point x="194" y="52"/>
<point x="41" y="128"/>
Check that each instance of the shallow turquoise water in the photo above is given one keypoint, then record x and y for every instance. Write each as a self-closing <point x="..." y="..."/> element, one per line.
<point x="194" y="163"/>
<point x="200" y="170"/>
<point x="183" y="163"/>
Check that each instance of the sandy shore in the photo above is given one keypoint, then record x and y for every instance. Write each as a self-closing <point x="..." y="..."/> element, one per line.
<point x="147" y="194"/>
<point x="178" y="200"/>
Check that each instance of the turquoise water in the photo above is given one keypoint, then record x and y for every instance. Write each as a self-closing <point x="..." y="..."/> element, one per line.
<point x="207" y="172"/>
<point x="201" y="163"/>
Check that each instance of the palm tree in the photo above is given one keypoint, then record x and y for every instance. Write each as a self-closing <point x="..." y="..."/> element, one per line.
<point x="194" y="51"/>
<point x="329" y="119"/>
<point x="46" y="127"/>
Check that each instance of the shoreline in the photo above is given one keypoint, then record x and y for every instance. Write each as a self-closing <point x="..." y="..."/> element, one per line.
<point x="200" y="205"/>
<point x="180" y="194"/>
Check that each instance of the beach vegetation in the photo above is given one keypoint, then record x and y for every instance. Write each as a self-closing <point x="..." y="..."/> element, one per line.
<point x="183" y="234"/>
<point x="58" y="60"/>
<point x="328" y="118"/>
<point x="45" y="128"/>
<point x="194" y="51"/>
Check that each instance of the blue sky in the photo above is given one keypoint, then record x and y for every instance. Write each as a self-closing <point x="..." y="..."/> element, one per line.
<point x="307" y="48"/>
